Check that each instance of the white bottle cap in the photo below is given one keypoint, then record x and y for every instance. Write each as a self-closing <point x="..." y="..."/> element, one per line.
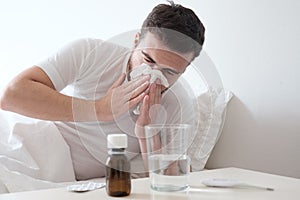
<point x="117" y="141"/>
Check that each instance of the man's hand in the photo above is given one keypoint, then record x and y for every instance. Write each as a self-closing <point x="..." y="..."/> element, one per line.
<point x="121" y="97"/>
<point x="149" y="109"/>
<point x="148" y="113"/>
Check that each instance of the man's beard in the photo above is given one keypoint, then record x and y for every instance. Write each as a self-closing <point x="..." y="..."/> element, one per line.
<point x="128" y="69"/>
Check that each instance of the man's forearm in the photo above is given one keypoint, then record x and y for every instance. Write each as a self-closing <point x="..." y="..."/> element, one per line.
<point x="34" y="99"/>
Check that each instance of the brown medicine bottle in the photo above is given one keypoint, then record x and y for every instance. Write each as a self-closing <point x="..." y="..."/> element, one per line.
<point x="118" y="178"/>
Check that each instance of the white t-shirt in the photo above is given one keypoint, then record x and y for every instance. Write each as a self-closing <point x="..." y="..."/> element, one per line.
<point x="89" y="67"/>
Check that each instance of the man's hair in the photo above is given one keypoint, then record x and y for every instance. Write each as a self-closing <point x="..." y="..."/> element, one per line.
<point x="177" y="27"/>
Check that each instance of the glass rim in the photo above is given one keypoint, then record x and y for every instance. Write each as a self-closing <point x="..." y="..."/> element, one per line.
<point x="161" y="126"/>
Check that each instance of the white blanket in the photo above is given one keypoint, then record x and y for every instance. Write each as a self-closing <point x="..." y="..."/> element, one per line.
<point x="33" y="155"/>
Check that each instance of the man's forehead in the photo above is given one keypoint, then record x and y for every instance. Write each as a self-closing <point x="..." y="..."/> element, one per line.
<point x="152" y="45"/>
<point x="150" y="41"/>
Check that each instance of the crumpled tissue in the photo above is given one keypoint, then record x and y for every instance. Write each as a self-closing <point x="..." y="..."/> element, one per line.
<point x="155" y="74"/>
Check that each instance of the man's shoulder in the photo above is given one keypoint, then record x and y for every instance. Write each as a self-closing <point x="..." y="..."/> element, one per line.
<point x="90" y="43"/>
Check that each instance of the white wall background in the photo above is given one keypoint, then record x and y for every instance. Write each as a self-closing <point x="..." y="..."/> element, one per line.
<point x="30" y="30"/>
<point x="254" y="45"/>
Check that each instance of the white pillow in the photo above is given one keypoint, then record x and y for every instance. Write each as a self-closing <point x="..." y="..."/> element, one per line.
<point x="211" y="115"/>
<point x="48" y="149"/>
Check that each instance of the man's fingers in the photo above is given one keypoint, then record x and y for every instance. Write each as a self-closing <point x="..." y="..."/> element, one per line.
<point x="132" y="85"/>
<point x="119" y="81"/>
<point x="131" y="103"/>
<point x="144" y="112"/>
<point x="141" y="88"/>
<point x="152" y="93"/>
<point x="158" y="94"/>
<point x="145" y="106"/>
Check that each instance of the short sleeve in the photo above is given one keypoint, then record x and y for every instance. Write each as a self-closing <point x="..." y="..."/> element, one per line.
<point x="63" y="66"/>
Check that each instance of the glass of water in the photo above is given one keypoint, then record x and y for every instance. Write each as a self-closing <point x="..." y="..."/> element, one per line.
<point x="169" y="164"/>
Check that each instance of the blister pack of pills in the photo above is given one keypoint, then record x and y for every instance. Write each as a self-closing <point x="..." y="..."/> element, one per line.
<point x="85" y="187"/>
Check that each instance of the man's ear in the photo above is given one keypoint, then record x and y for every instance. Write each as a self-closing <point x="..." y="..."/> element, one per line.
<point x="136" y="39"/>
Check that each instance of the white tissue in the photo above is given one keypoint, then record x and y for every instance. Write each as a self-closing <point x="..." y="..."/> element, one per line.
<point x="155" y="74"/>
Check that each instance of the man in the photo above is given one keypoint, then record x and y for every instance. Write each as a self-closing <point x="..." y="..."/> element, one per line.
<point x="104" y="96"/>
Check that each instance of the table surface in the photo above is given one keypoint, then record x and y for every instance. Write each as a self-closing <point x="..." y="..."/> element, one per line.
<point x="284" y="188"/>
